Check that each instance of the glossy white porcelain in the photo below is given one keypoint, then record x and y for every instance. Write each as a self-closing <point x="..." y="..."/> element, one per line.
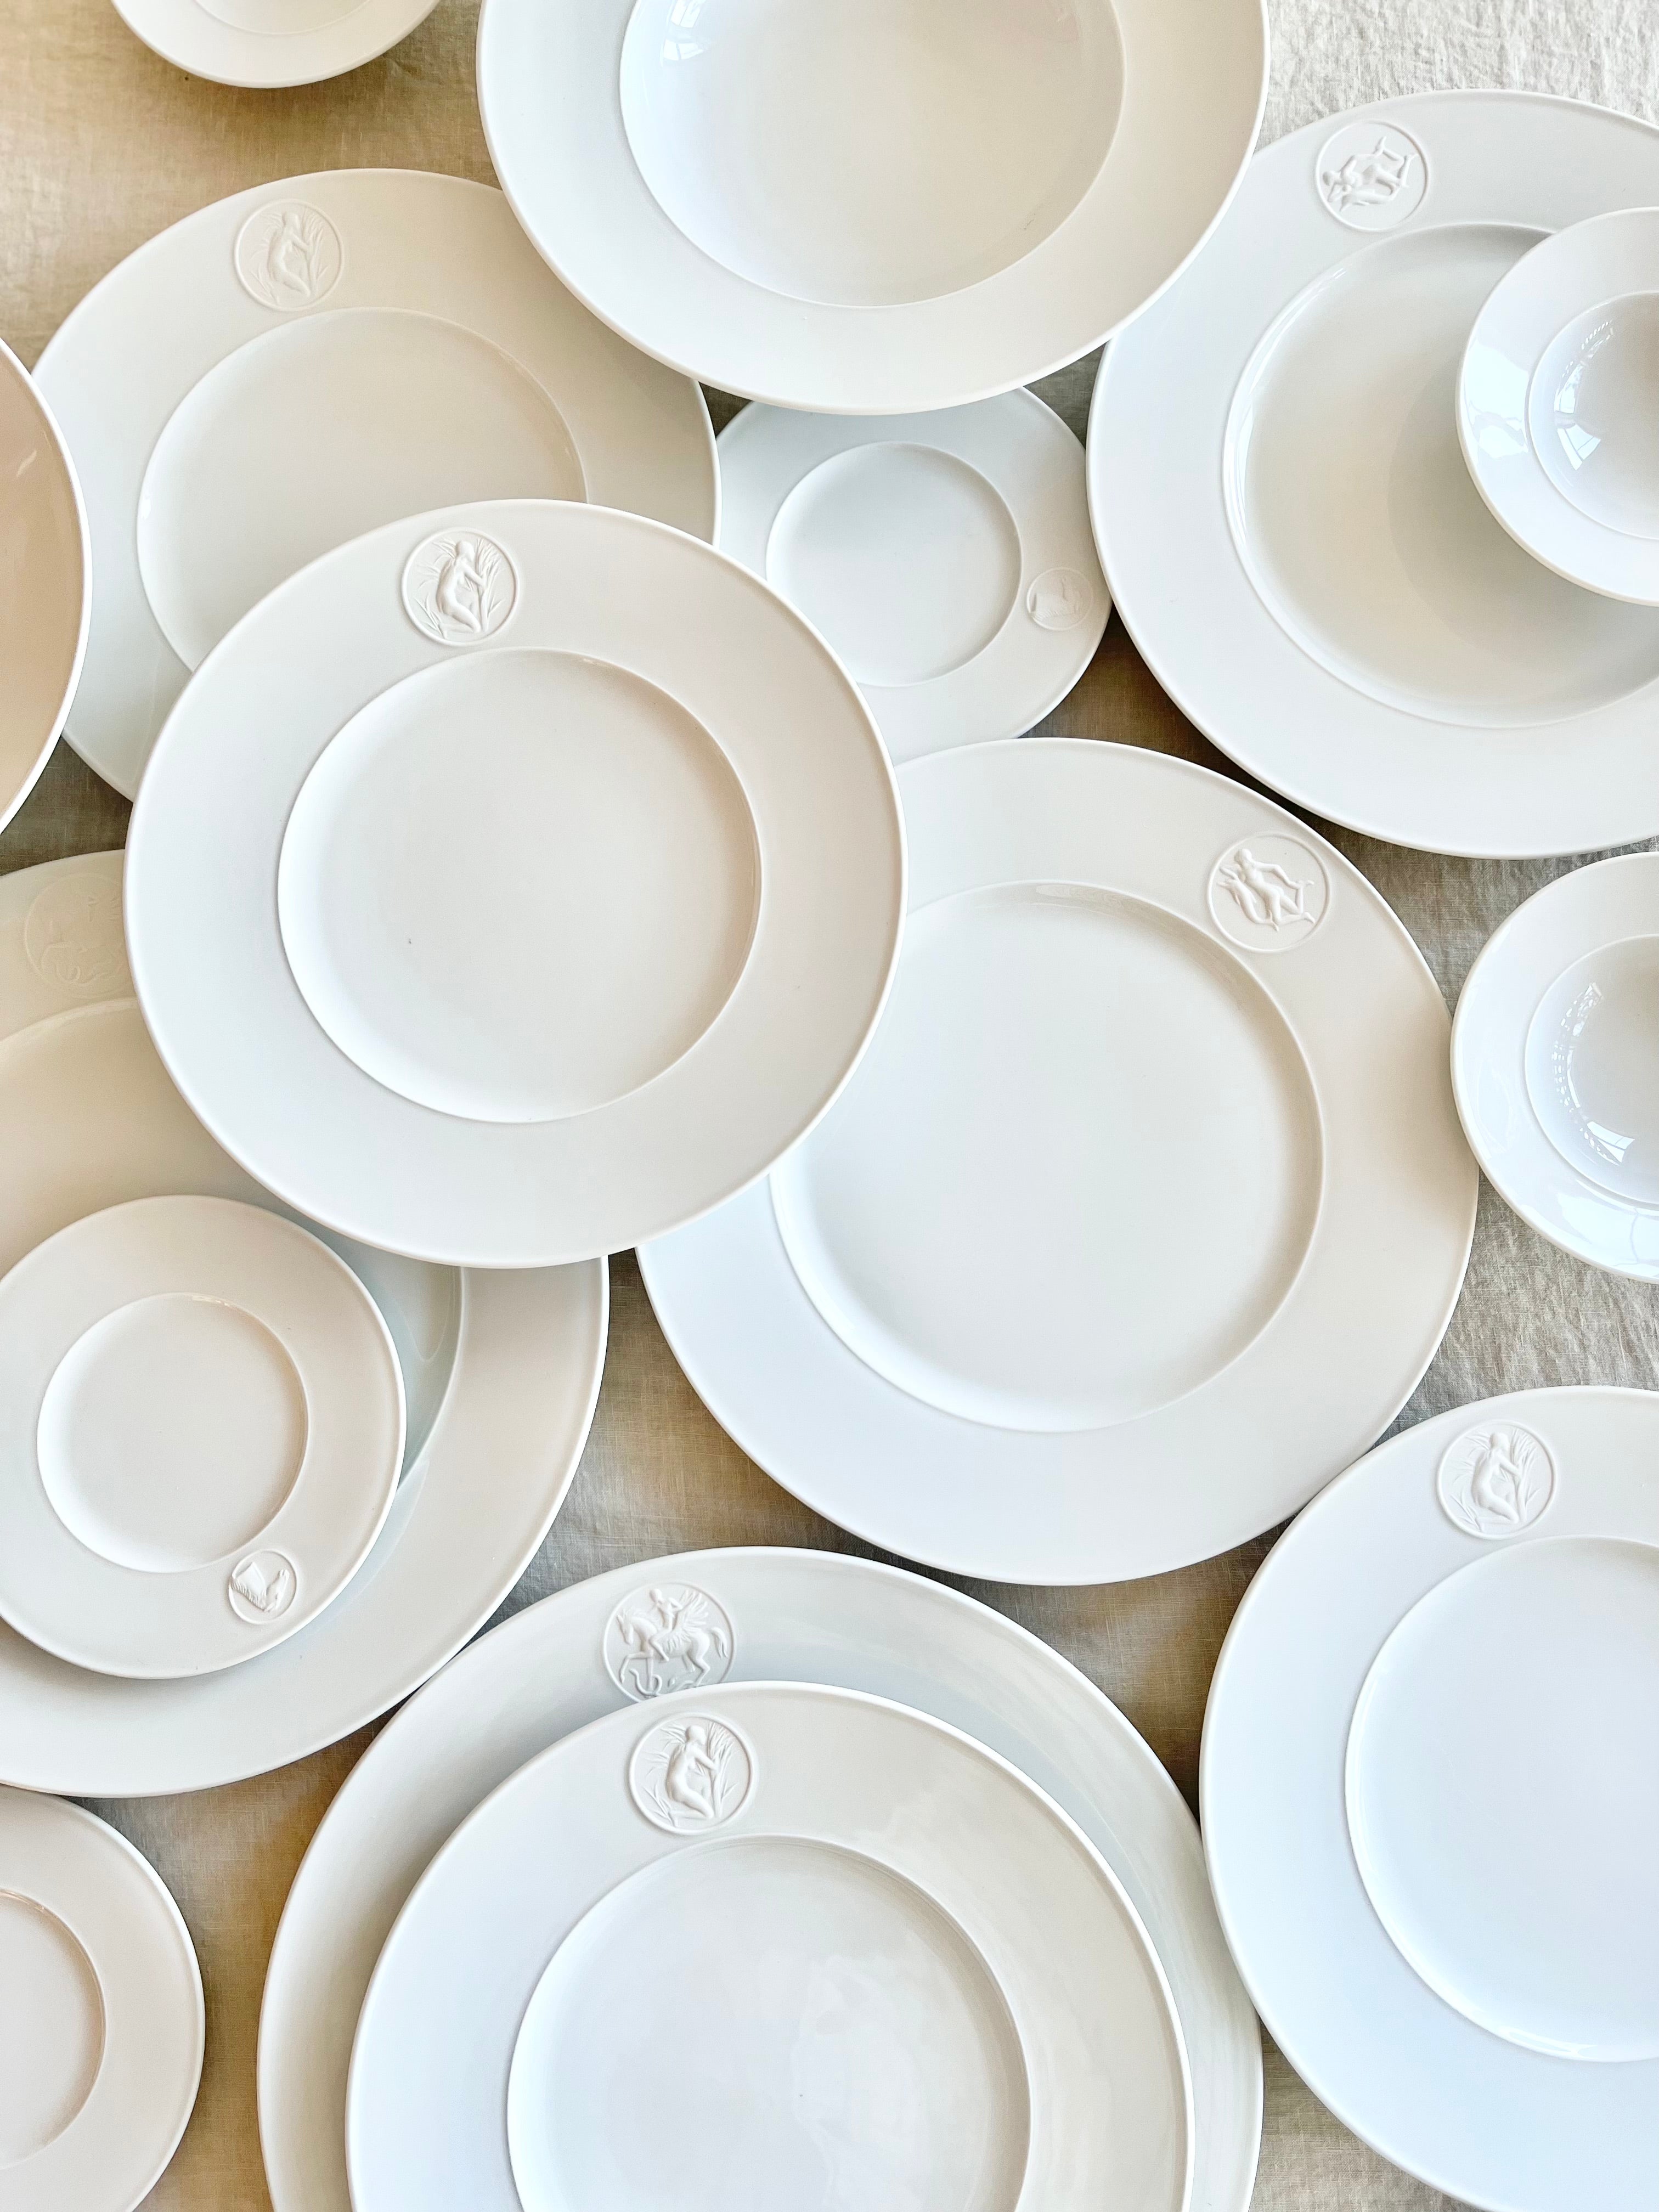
<point x="47" y="561"/>
<point x="264" y="44"/>
<point x="301" y="362"/>
<point x="1429" y="1794"/>
<point x="1127" y="1165"/>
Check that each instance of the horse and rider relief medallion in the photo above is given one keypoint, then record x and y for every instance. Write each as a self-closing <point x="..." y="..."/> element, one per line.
<point x="1268" y="894"/>
<point x="691" y="1773"/>
<point x="669" y="1635"/>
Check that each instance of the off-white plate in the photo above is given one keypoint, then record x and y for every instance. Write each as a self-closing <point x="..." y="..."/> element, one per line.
<point x="501" y="1373"/>
<point x="850" y="1955"/>
<point x="1285" y="519"/>
<point x="268" y="43"/>
<point x="1555" y="403"/>
<point x="101" y="2022"/>
<point x="301" y="362"/>
<point x="45" y="556"/>
<point x="200" y="1431"/>
<point x="947" y="558"/>
<point x="757" y="1614"/>
<point x="1145" y="1212"/>
<point x="1430" y="1787"/>
<point x="1555" y="1063"/>
<point x="885" y="207"/>
<point x="515" y="882"/>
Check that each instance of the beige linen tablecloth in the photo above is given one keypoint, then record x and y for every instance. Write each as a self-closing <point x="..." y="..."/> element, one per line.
<point x="101" y="145"/>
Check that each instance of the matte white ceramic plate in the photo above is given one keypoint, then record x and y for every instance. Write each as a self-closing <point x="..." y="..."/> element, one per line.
<point x="868" y="1962"/>
<point x="1555" y="1063"/>
<point x="200" y="1431"/>
<point x="1430" y="1787"/>
<point x="516" y="882"/>
<point x="1285" y="519"/>
<point x="501" y="1373"/>
<point x="266" y="43"/>
<point x="1145" y="1212"/>
<point x="46" y="559"/>
<point x="947" y="558"/>
<point x="1555" y="403"/>
<point x="101" y="2022"/>
<point x="891" y="206"/>
<point x="296" y="365"/>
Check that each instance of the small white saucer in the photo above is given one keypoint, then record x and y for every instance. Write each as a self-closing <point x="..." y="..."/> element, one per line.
<point x="48" y="600"/>
<point x="947" y="558"/>
<point x="1556" y="404"/>
<point x="201" y="1428"/>
<point x="265" y="44"/>
<point x="1555" y="1063"/>
<point x="101" y="2020"/>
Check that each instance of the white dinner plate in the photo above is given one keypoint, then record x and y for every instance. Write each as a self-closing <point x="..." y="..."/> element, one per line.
<point x="751" y="1613"/>
<point x="1285" y="516"/>
<point x="46" y="559"/>
<point x="501" y="1373"/>
<point x="764" y="1944"/>
<point x="300" y="362"/>
<point x="515" y="882"/>
<point x="1145" y="1213"/>
<point x="890" y="206"/>
<point x="201" y="1431"/>
<point x="267" y="43"/>
<point x="1555" y="403"/>
<point x="1431" y="1788"/>
<point x="1555" y="1063"/>
<point x="947" y="558"/>
<point x="101" y="2020"/>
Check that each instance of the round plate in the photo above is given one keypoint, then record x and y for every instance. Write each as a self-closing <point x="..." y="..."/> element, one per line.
<point x="512" y="943"/>
<point x="501" y="1373"/>
<point x="1554" y="403"/>
<point x="1287" y="525"/>
<point x="877" y="211"/>
<point x="947" y="558"/>
<point x="48" y="597"/>
<point x="1432" y="1849"/>
<point x="301" y="362"/>
<point x="202" y="1434"/>
<point x="101" y="2012"/>
<point x="267" y="43"/>
<point x="1555" y="1063"/>
<point x="870" y="1962"/>
<point x="1147" y="1211"/>
<point x="759" y="1614"/>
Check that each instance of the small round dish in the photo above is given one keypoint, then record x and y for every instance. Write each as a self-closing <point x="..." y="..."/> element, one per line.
<point x="1555" y="403"/>
<point x="1432" y="1850"/>
<point x="1555" y="1063"/>
<point x="555" y="876"/>
<point x="202" y="1431"/>
<point x="868" y="1962"/>
<point x="265" y="44"/>
<point x="47" y="602"/>
<point x="301" y="362"/>
<point x="101" y="2019"/>
<point x="892" y="206"/>
<point x="946" y="558"/>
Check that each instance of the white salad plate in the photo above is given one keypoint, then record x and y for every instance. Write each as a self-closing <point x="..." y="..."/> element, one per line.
<point x="1285" y="516"/>
<point x="891" y="206"/>
<point x="1555" y="1063"/>
<point x="264" y="44"/>
<point x="946" y="558"/>
<point x="297" y="364"/>
<point x="1555" y="403"/>
<point x="1146" y="1210"/>
<point x="501" y="1371"/>
<point x="47" y="558"/>
<point x="201" y="1433"/>
<point x="761" y="1944"/>
<point x="515" y="882"/>
<point x="751" y="1613"/>
<point x="102" y="2021"/>
<point x="1431" y="1788"/>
